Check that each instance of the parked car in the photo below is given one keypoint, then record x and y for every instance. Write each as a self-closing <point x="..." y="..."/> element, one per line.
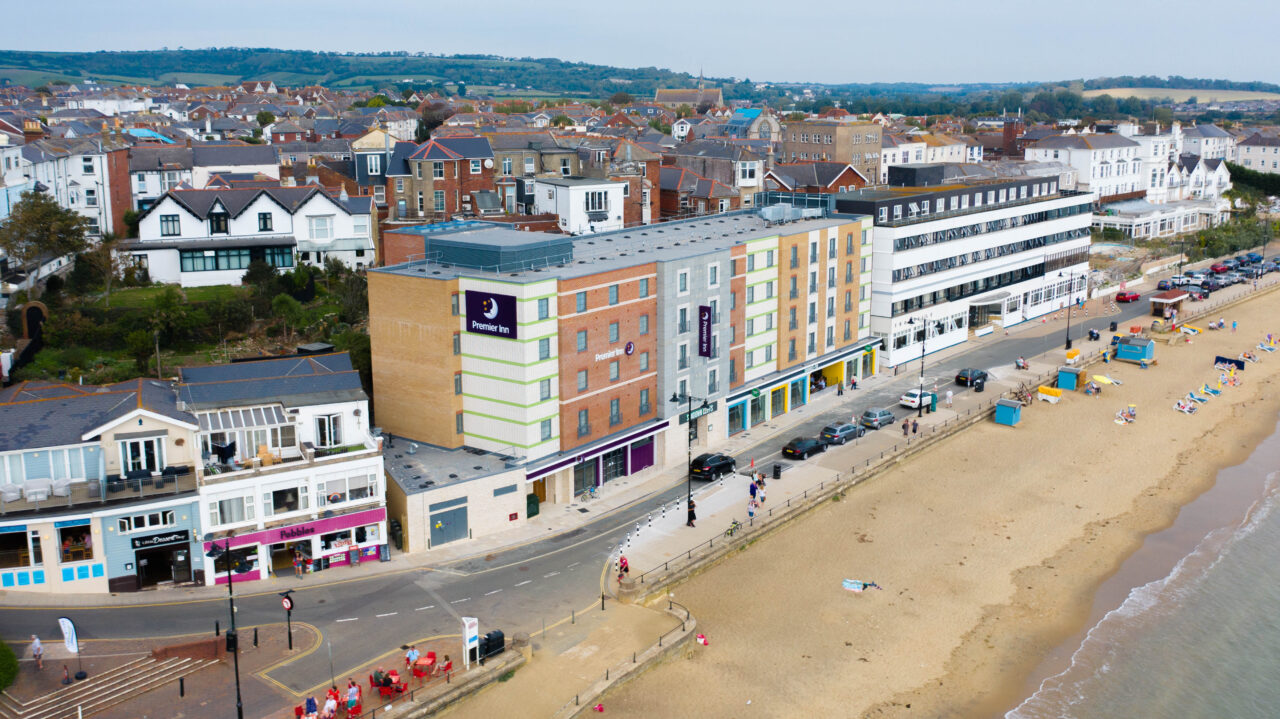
<point x="1211" y="283"/>
<point x="1253" y="272"/>
<point x="1196" y="290"/>
<point x="1231" y="264"/>
<point x="913" y="398"/>
<point x="1242" y="261"/>
<point x="802" y="447"/>
<point x="876" y="418"/>
<point x="841" y="433"/>
<point x="1220" y="267"/>
<point x="1255" y="257"/>
<point x="1128" y="297"/>
<point x="712" y="466"/>
<point x="1180" y="280"/>
<point x="1230" y="278"/>
<point x="969" y="375"/>
<point x="1268" y="267"/>
<point x="1165" y="284"/>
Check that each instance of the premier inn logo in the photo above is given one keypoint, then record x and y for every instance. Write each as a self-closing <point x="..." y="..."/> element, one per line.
<point x="616" y="352"/>
<point x="491" y="314"/>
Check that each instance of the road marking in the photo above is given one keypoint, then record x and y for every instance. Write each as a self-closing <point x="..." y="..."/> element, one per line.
<point x="459" y="601"/>
<point x="571" y="566"/>
<point x="527" y="581"/>
<point x="548" y="576"/>
<point x="493" y="592"/>
<point x="352" y="619"/>
<point x="388" y="614"/>
<point x="429" y="606"/>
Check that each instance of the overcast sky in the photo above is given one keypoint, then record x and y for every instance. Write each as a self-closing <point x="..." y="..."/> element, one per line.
<point x="934" y="41"/>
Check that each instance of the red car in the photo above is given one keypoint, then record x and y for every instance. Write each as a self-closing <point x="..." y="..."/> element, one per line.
<point x="1219" y="268"/>
<point x="1128" y="297"/>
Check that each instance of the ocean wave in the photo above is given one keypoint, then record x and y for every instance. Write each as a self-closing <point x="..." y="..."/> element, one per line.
<point x="1143" y="606"/>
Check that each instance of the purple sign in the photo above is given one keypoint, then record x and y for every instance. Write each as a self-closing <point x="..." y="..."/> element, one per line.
<point x="704" y="331"/>
<point x="491" y="314"/>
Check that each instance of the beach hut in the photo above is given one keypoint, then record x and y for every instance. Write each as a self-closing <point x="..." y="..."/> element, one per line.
<point x="1069" y="378"/>
<point x="1008" y="412"/>
<point x="1168" y="304"/>
<point x="1135" y="349"/>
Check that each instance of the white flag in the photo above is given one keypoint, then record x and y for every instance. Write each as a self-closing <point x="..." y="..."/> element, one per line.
<point x="69" y="634"/>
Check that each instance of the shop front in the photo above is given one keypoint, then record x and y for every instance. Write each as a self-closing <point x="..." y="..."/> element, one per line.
<point x="60" y="556"/>
<point x="320" y="544"/>
<point x="163" y="558"/>
<point x="152" y="545"/>
<point x="610" y="460"/>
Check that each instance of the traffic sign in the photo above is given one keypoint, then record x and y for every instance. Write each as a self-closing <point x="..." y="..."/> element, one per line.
<point x="287" y="603"/>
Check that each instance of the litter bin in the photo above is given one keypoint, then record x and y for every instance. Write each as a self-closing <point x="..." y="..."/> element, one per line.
<point x="397" y="535"/>
<point x="1114" y="325"/>
<point x="531" y="505"/>
<point x="979" y="385"/>
<point x="933" y="401"/>
<point x="777" y="471"/>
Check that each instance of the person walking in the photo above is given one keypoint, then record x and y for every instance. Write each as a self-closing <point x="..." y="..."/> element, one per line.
<point x="297" y="564"/>
<point x="752" y="490"/>
<point x="760" y="494"/>
<point x="37" y="652"/>
<point x="949" y="395"/>
<point x="751" y="508"/>
<point x="915" y="426"/>
<point x="693" y="513"/>
<point x="906" y="427"/>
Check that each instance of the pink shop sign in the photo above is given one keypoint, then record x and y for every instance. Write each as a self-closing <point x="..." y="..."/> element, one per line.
<point x="295" y="532"/>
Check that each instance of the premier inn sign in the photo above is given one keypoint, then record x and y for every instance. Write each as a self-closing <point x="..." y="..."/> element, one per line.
<point x="491" y="314"/>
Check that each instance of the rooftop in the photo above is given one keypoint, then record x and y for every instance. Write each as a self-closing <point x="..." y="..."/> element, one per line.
<point x="418" y="467"/>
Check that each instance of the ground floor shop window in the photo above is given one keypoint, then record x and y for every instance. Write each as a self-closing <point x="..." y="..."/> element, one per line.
<point x="615" y="464"/>
<point x="797" y="393"/>
<point x="757" y="410"/>
<point x="737" y="418"/>
<point x="242" y="558"/>
<point x="335" y="540"/>
<point x="20" y="549"/>
<point x="367" y="533"/>
<point x="584" y="476"/>
<point x="76" y="543"/>
<point x="778" y="401"/>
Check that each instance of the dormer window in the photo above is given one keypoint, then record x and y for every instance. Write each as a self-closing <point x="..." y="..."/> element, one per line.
<point x="374" y="164"/>
<point x="219" y="223"/>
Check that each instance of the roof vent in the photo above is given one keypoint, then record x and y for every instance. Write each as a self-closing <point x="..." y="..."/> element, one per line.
<point x="590" y="242"/>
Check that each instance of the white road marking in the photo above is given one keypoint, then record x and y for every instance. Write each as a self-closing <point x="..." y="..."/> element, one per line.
<point x="493" y="592"/>
<point x="352" y="619"/>
<point x="527" y="581"/>
<point x="388" y="614"/>
<point x="460" y="601"/>
<point x="548" y="576"/>
<point x="429" y="606"/>
<point x="571" y="566"/>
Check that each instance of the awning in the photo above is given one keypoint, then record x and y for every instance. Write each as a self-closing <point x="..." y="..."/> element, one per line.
<point x="991" y="298"/>
<point x="248" y="418"/>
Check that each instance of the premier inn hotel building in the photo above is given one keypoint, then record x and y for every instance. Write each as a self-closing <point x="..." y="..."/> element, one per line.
<point x="509" y="365"/>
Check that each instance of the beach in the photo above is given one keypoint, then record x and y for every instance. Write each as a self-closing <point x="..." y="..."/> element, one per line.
<point x="989" y="548"/>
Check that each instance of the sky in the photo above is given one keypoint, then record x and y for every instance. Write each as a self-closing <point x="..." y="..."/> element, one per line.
<point x="931" y="41"/>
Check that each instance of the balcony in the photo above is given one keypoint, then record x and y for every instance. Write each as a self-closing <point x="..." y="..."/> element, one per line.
<point x="48" y="495"/>
<point x="712" y="387"/>
<point x="794" y="293"/>
<point x="300" y="456"/>
<point x="683" y="362"/>
<point x="645" y="408"/>
<point x="792" y="324"/>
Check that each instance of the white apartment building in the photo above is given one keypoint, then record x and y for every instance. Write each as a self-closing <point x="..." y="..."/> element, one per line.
<point x="208" y="237"/>
<point x="1106" y="165"/>
<point x="961" y="259"/>
<point x="899" y="150"/>
<point x="75" y="174"/>
<point x="584" y="205"/>
<point x="1260" y="153"/>
<point x="1208" y="141"/>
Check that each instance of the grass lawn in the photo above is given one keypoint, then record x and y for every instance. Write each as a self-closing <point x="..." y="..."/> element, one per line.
<point x="1177" y="95"/>
<point x="140" y="296"/>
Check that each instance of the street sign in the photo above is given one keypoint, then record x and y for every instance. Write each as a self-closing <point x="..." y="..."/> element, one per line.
<point x="697" y="412"/>
<point x="287" y="603"/>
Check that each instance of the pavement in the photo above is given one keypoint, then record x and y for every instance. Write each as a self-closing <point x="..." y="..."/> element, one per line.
<point x="540" y="577"/>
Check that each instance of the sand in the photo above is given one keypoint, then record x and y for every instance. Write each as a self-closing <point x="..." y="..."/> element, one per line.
<point x="989" y="548"/>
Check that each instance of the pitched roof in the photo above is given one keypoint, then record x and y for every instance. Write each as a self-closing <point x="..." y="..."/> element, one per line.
<point x="812" y="174"/>
<point x="1260" y="140"/>
<point x="686" y="181"/>
<point x="292" y="381"/>
<point x="1205" y="131"/>
<point x="1084" y="142"/>
<point x="46" y="414"/>
<point x="225" y="155"/>
<point x="147" y="159"/>
<point x="454" y="148"/>
<point x="201" y="202"/>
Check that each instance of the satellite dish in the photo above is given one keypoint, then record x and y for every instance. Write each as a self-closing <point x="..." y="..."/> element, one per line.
<point x="488" y="164"/>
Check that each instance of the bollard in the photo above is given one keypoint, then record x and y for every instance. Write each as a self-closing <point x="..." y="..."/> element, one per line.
<point x="602" y="601"/>
<point x="573" y="617"/>
<point x="216" y="631"/>
<point x="255" y="636"/>
<point x="633" y="657"/>
<point x="606" y="674"/>
<point x="182" y="689"/>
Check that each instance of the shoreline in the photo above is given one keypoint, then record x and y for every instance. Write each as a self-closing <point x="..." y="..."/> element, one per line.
<point x="1019" y="551"/>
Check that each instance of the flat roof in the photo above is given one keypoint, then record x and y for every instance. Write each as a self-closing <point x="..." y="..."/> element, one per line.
<point x="619" y="249"/>
<point x="574" y="181"/>
<point x="419" y="467"/>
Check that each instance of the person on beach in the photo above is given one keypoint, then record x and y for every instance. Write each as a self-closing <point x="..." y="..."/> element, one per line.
<point x="37" y="652"/>
<point x="693" y="514"/>
<point x="1233" y="326"/>
<point x="949" y="395"/>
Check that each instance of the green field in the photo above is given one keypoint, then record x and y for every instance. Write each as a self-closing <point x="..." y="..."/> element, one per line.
<point x="1202" y="96"/>
<point x="140" y="296"/>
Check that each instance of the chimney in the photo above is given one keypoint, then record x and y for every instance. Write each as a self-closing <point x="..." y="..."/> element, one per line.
<point x="31" y="130"/>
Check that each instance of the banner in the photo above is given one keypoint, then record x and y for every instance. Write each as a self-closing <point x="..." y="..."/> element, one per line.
<point x="704" y="331"/>
<point x="69" y="634"/>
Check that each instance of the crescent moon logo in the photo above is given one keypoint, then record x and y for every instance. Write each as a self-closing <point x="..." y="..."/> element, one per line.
<point x="490" y="308"/>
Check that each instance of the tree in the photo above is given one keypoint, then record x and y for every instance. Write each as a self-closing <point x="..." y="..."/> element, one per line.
<point x="376" y="101"/>
<point x="140" y="347"/>
<point x="561" y="121"/>
<point x="170" y="315"/>
<point x="38" y="229"/>
<point x="684" y="111"/>
<point x="289" y="311"/>
<point x="107" y="263"/>
<point x="462" y="89"/>
<point x="621" y="98"/>
<point x="264" y="118"/>
<point x="353" y="298"/>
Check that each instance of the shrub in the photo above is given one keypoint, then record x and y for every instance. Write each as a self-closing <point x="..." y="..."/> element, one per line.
<point x="8" y="665"/>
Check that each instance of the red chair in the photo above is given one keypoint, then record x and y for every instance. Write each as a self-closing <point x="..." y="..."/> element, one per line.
<point x="355" y="711"/>
<point x="386" y="692"/>
<point x="372" y="683"/>
<point x="298" y="710"/>
<point x="419" y="672"/>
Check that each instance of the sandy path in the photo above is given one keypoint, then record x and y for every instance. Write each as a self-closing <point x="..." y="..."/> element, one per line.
<point x="988" y="546"/>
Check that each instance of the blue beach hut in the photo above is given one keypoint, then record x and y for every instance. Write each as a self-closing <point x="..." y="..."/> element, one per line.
<point x="1008" y="412"/>
<point x="1069" y="378"/>
<point x="1135" y="349"/>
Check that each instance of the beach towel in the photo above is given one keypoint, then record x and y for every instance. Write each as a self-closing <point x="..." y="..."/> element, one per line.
<point x="854" y="585"/>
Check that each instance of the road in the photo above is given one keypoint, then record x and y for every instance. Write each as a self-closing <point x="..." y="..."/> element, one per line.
<point x="515" y="589"/>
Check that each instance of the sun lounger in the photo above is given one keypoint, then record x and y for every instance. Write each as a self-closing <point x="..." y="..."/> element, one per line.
<point x="1196" y="398"/>
<point x="1209" y="390"/>
<point x="1263" y="346"/>
<point x="1185" y="407"/>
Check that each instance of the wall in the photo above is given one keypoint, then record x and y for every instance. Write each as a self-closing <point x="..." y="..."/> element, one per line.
<point x="411" y="334"/>
<point x="486" y="514"/>
<point x="118" y="547"/>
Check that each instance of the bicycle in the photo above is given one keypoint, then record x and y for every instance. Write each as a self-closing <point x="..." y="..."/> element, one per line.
<point x="587" y="494"/>
<point x="733" y="528"/>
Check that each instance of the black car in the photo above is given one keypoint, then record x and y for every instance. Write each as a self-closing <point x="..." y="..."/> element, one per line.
<point x="712" y="466"/>
<point x="840" y="433"/>
<point x="969" y="375"/>
<point x="802" y="447"/>
<point x="1211" y="283"/>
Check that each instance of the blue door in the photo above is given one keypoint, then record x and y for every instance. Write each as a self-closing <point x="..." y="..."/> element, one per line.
<point x="448" y="526"/>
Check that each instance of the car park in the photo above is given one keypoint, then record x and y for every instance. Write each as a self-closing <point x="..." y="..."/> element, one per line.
<point x="802" y="447"/>
<point x="876" y="418"/>
<point x="913" y="398"/>
<point x="712" y="466"/>
<point x="841" y="433"/>
<point x="1128" y="297"/>
<point x="969" y="375"/>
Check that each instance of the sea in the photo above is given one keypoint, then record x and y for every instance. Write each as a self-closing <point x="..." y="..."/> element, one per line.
<point x="1189" y="626"/>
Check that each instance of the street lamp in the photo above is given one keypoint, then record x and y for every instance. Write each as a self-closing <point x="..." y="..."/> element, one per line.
<point x="1071" y="281"/>
<point x="234" y="567"/>
<point x="920" y="396"/>
<point x="688" y="466"/>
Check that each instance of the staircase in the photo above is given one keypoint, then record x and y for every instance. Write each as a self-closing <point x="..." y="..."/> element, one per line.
<point x="101" y="692"/>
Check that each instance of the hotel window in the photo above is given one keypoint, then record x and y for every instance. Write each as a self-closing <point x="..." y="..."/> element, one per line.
<point x="437" y="170"/>
<point x="544" y="390"/>
<point x="544" y="308"/>
<point x="644" y="287"/>
<point x="644" y="361"/>
<point x="544" y="425"/>
<point x="831" y="277"/>
<point x="457" y="343"/>
<point x="170" y="226"/>
<point x="544" y="348"/>
<point x="768" y="258"/>
<point x="682" y="282"/>
<point x="613" y="371"/>
<point x="581" y="300"/>
<point x="584" y="423"/>
<point x="831" y="248"/>
<point x="329" y="430"/>
<point x="582" y="340"/>
<point x="644" y="402"/>
<point x="713" y="275"/>
<point x="682" y="320"/>
<point x="142" y="455"/>
<point x="457" y="383"/>
<point x="848" y="244"/>
<point x="682" y="356"/>
<point x="644" y="324"/>
<point x="582" y="380"/>
<point x="453" y="304"/>
<point x="613" y="294"/>
<point x="457" y="423"/>
<point x="613" y="332"/>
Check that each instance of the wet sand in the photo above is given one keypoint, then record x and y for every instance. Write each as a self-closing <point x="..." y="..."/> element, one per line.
<point x="989" y="548"/>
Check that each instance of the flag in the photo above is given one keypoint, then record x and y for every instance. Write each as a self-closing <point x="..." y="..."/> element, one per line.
<point x="69" y="634"/>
